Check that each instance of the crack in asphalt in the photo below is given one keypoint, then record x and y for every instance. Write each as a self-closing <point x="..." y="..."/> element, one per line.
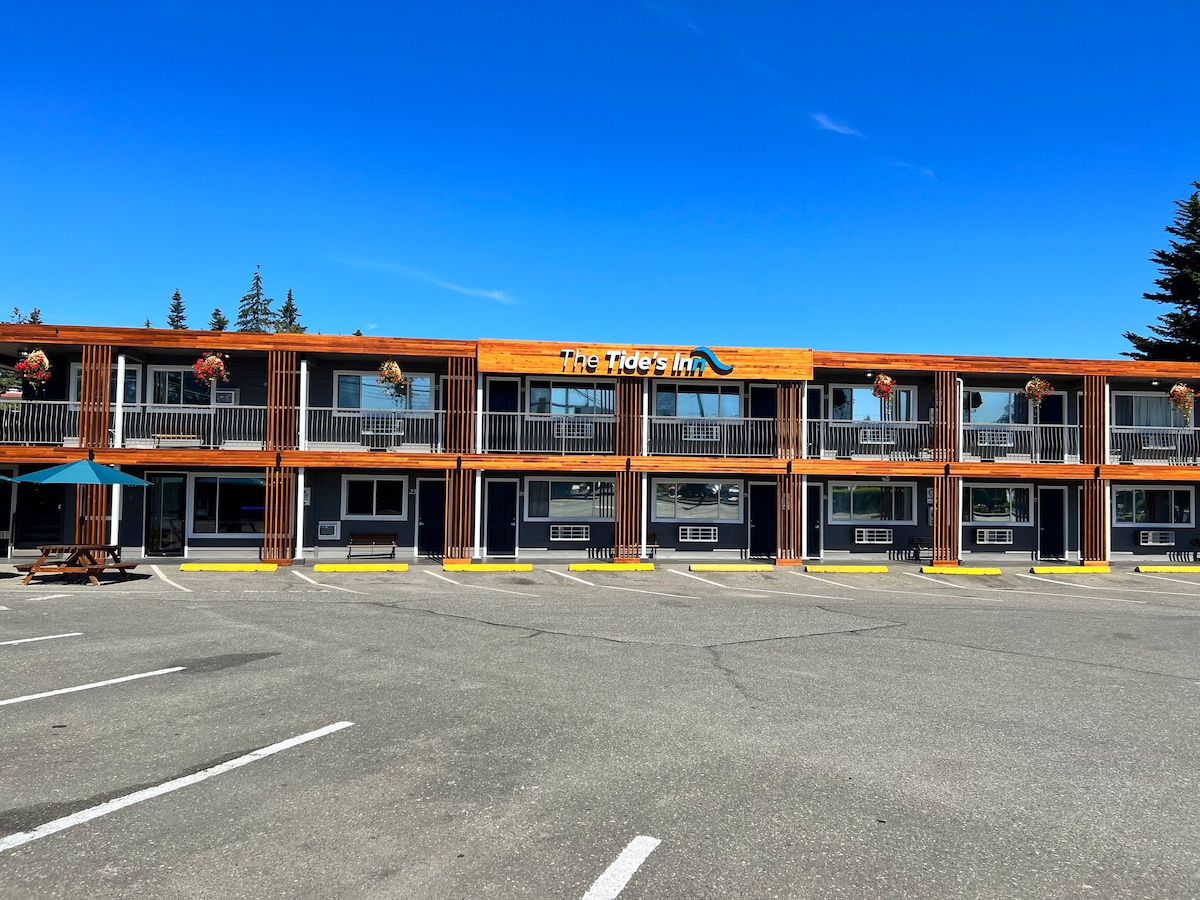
<point x="730" y="675"/>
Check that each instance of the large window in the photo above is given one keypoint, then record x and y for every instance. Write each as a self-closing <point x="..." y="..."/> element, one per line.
<point x="697" y="501"/>
<point x="554" y="498"/>
<point x="133" y="381"/>
<point x="228" y="504"/>
<point x="698" y="401"/>
<point x="374" y="497"/>
<point x="178" y="386"/>
<point x="996" y="407"/>
<point x="861" y="405"/>
<point x="1009" y="505"/>
<point x="565" y="398"/>
<point x="362" y="390"/>
<point x="872" y="502"/>
<point x="1152" y="506"/>
<point x="1145" y="410"/>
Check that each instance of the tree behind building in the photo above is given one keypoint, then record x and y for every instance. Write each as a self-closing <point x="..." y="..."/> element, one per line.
<point x="254" y="310"/>
<point x="177" y="316"/>
<point x="289" y="317"/>
<point x="218" y="321"/>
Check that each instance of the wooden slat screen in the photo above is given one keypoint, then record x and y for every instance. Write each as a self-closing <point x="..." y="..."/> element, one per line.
<point x="460" y="405"/>
<point x="1093" y="449"/>
<point x="460" y="507"/>
<point x="279" y="522"/>
<point x="1093" y="543"/>
<point x="629" y="417"/>
<point x="789" y="420"/>
<point x="283" y="392"/>
<point x="628" y="520"/>
<point x="945" y="416"/>
<point x="91" y="503"/>
<point x="946" y="490"/>
<point x="789" y="516"/>
<point x="95" y="421"/>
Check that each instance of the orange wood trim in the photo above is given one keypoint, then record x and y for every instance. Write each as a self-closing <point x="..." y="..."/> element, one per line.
<point x="279" y="520"/>
<point x="460" y="405"/>
<point x="460" y="510"/>
<point x="947" y="491"/>
<point x="627" y="531"/>
<point x="789" y="518"/>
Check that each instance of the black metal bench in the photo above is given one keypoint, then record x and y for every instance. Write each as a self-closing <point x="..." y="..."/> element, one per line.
<point x="377" y="543"/>
<point x="921" y="544"/>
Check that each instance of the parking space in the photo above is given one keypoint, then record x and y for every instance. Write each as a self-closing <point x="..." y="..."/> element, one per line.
<point x="537" y="734"/>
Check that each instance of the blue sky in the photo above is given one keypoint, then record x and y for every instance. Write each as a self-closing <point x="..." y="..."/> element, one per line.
<point x="924" y="177"/>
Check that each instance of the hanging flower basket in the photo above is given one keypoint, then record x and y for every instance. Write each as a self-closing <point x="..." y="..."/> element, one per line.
<point x="884" y="385"/>
<point x="1037" y="388"/>
<point x="211" y="367"/>
<point x="35" y="368"/>
<point x="1184" y="399"/>
<point x="392" y="378"/>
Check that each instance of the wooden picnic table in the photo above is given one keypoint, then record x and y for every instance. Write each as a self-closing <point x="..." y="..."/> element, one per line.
<point x="77" y="559"/>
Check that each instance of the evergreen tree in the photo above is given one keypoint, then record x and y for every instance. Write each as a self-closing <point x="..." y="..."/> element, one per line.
<point x="147" y="325"/>
<point x="35" y="317"/>
<point x="16" y="318"/>
<point x="1177" y="336"/>
<point x="289" y="317"/>
<point x="177" y="317"/>
<point x="254" y="310"/>
<point x="218" y="321"/>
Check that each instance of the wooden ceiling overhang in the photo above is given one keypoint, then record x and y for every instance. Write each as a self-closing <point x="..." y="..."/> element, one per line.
<point x="1005" y="365"/>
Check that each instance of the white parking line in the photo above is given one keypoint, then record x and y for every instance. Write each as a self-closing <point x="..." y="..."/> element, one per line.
<point x="958" y="587"/>
<point x="613" y="880"/>
<point x="330" y="586"/>
<point x="47" y="637"/>
<point x="157" y="571"/>
<point x="826" y="580"/>
<point x="1175" y="580"/>
<point x="103" y="809"/>
<point x="481" y="587"/>
<point x="94" y="684"/>
<point x="572" y="577"/>
<point x="1079" y="596"/>
<point x="698" y="578"/>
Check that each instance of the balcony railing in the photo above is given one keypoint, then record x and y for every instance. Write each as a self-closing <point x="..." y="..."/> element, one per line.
<point x="679" y="436"/>
<point x="1020" y="443"/>
<point x="511" y="432"/>
<point x="1154" y="446"/>
<point x="402" y="431"/>
<point x="204" y="427"/>
<point x="841" y="439"/>
<point x="27" y="422"/>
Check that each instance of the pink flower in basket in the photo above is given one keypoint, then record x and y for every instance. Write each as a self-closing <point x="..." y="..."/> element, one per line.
<point x="35" y="368"/>
<point x="1037" y="388"/>
<point x="884" y="385"/>
<point x="211" y="367"/>
<point x="392" y="378"/>
<point x="1184" y="399"/>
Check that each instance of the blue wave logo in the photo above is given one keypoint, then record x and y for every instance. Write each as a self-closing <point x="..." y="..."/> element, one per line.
<point x="704" y="354"/>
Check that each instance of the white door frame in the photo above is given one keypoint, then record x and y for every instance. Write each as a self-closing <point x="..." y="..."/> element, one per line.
<point x="517" y="524"/>
<point x="417" y="513"/>
<point x="1066" y="532"/>
<point x="11" y="472"/>
<point x="750" y="513"/>
<point x="820" y="486"/>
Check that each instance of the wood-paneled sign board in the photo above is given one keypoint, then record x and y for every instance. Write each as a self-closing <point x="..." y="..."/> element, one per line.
<point x="645" y="360"/>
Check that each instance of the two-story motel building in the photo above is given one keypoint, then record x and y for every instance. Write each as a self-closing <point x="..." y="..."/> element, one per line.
<point x="498" y="449"/>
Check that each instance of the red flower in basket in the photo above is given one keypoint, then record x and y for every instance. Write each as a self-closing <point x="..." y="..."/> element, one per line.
<point x="35" y="368"/>
<point x="1184" y="399"/>
<point x="884" y="385"/>
<point x="211" y="367"/>
<point x="1037" y="388"/>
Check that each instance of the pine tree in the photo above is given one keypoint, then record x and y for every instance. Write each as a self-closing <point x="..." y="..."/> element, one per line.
<point x="289" y="317"/>
<point x="254" y="310"/>
<point x="147" y="325"/>
<point x="17" y="318"/>
<point x="1177" y="336"/>
<point x="177" y="317"/>
<point x="218" y="321"/>
<point x="35" y="317"/>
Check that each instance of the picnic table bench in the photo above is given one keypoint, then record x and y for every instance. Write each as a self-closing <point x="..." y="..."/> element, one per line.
<point x="373" y="544"/>
<point x="77" y="559"/>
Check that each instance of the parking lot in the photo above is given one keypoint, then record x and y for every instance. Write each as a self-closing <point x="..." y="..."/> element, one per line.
<point x="566" y="735"/>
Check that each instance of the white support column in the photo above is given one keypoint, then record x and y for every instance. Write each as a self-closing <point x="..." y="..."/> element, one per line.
<point x="803" y="510"/>
<point x="645" y="417"/>
<point x="298" y="549"/>
<point x="803" y="422"/>
<point x="115" y="511"/>
<point x="478" y="425"/>
<point x="119" y="410"/>
<point x="958" y="515"/>
<point x="477" y="538"/>
<point x="645" y="511"/>
<point x="302" y="435"/>
<point x="958" y="424"/>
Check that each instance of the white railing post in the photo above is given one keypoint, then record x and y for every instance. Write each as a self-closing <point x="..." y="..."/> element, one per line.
<point x="302" y="437"/>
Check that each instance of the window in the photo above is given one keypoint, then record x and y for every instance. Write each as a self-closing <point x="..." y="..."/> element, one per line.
<point x="554" y="498"/>
<point x="998" y="504"/>
<point x="859" y="404"/>
<point x="996" y="407"/>
<point x="697" y="501"/>
<point x="133" y="383"/>
<point x="1152" y="506"/>
<point x="564" y="398"/>
<point x="380" y="497"/>
<point x="362" y="390"/>
<point x="1145" y="410"/>
<point x="228" y="504"/>
<point x="709" y="401"/>
<point x="870" y="501"/>
<point x="178" y="387"/>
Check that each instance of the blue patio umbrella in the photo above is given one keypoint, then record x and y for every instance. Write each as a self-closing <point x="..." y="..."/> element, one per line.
<point x="84" y="471"/>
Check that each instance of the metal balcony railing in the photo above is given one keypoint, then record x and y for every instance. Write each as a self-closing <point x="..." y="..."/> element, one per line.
<point x="1020" y="443"/>
<point x="205" y="427"/>
<point x="680" y="436"/>
<point x="51" y="422"/>
<point x="509" y="432"/>
<point x="403" y="431"/>
<point x="1165" y="446"/>
<point x="842" y="439"/>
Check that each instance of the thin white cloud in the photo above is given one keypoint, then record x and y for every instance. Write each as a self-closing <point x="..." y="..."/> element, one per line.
<point x="410" y="272"/>
<point x="827" y="124"/>
<point x="928" y="173"/>
<point x="754" y="65"/>
<point x="672" y="14"/>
